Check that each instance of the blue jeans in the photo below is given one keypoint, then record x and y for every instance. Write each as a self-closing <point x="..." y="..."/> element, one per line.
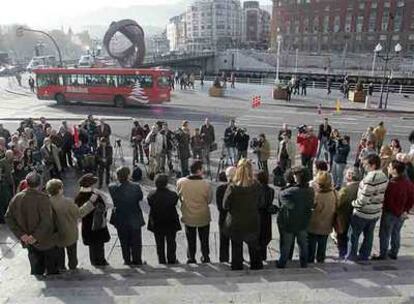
<point x="390" y="229"/>
<point x="231" y="154"/>
<point x="360" y="225"/>
<point x="286" y="242"/>
<point x="338" y="174"/>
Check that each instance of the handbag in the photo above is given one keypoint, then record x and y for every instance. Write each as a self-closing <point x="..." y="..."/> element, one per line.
<point x="213" y="147"/>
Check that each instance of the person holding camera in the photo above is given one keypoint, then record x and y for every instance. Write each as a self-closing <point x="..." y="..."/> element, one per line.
<point x="229" y="144"/>
<point x="342" y="149"/>
<point x="241" y="140"/>
<point x="263" y="153"/>
<point x="137" y="136"/>
<point x="104" y="155"/>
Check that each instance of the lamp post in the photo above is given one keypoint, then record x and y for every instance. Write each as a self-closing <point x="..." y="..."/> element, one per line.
<point x="279" y="41"/>
<point x="20" y="32"/>
<point x="387" y="58"/>
<point x="377" y="49"/>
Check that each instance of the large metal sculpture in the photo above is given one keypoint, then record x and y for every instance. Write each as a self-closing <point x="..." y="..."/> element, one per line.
<point x="124" y="41"/>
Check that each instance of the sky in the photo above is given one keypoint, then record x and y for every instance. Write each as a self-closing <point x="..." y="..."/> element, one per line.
<point x="47" y="12"/>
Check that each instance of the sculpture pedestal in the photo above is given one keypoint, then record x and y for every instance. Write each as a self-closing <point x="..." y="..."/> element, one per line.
<point x="280" y="93"/>
<point x="216" y="92"/>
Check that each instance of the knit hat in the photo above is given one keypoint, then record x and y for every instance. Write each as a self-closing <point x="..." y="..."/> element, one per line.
<point x="87" y="180"/>
<point x="323" y="180"/>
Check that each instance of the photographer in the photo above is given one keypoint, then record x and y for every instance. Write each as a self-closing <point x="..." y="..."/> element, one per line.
<point x="308" y="145"/>
<point x="229" y="144"/>
<point x="241" y="140"/>
<point x="104" y="155"/>
<point x="137" y="136"/>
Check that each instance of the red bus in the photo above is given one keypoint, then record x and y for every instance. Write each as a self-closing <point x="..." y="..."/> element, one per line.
<point x="119" y="87"/>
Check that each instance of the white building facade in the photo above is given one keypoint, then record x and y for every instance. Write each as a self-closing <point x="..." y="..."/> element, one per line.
<point x="213" y="25"/>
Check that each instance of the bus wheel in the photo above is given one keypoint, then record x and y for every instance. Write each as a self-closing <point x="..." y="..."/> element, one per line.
<point x="60" y="99"/>
<point x="119" y="102"/>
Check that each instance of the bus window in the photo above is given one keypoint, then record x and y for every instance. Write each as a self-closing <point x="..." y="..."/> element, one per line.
<point x="111" y="80"/>
<point x="126" y="80"/>
<point x="145" y="81"/>
<point x="42" y="80"/>
<point x="77" y="80"/>
<point x="163" y="82"/>
<point x="47" y="79"/>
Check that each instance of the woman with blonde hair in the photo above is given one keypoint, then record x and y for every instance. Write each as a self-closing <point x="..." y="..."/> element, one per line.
<point x="241" y="199"/>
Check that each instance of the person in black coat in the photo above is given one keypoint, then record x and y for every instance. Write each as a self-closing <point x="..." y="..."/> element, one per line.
<point x="127" y="217"/>
<point x="241" y="140"/>
<point x="267" y="196"/>
<point x="103" y="160"/>
<point x="94" y="239"/>
<point x="67" y="146"/>
<point x="224" y="177"/>
<point x="163" y="219"/>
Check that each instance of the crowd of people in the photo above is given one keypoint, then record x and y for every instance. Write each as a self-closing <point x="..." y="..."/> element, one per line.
<point x="321" y="196"/>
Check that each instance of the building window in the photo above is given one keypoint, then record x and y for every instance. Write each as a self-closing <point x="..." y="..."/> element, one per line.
<point x="372" y="23"/>
<point x="337" y="24"/>
<point x="360" y="23"/>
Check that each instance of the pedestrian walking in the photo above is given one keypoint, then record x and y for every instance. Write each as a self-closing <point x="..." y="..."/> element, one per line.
<point x="380" y="132"/>
<point x="163" y="219"/>
<point x="31" y="84"/>
<point x="304" y="86"/>
<point x="195" y="195"/>
<point x="241" y="199"/>
<point x="229" y="143"/>
<point x="127" y="216"/>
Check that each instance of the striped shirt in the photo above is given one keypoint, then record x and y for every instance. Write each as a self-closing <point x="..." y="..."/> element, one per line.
<point x="368" y="204"/>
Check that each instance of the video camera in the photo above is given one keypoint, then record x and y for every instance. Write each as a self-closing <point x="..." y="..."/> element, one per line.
<point x="255" y="143"/>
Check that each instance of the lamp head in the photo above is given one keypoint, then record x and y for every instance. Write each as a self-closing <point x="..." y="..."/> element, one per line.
<point x="378" y="48"/>
<point x="398" y="48"/>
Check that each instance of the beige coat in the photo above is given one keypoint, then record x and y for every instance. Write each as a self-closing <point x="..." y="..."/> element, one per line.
<point x="195" y="195"/>
<point x="67" y="215"/>
<point x="379" y="133"/>
<point x="323" y="215"/>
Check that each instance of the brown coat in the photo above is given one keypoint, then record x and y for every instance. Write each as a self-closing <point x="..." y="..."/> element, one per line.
<point x="323" y="215"/>
<point x="30" y="212"/>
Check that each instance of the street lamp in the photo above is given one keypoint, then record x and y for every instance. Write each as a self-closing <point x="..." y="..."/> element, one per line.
<point x="377" y="49"/>
<point x="20" y="32"/>
<point x="279" y="41"/>
<point x="387" y="57"/>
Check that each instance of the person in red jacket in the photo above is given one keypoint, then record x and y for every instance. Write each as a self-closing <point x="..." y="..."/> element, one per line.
<point x="398" y="200"/>
<point x="308" y="146"/>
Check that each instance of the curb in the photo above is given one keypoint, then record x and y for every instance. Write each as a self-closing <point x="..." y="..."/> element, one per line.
<point x="302" y="106"/>
<point x="17" y="93"/>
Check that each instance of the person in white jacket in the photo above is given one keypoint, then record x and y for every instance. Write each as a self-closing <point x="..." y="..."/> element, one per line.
<point x="157" y="150"/>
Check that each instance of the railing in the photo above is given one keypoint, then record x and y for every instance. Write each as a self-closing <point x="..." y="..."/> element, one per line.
<point x="396" y="89"/>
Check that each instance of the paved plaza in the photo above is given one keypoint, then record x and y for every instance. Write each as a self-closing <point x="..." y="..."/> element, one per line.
<point x="333" y="282"/>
